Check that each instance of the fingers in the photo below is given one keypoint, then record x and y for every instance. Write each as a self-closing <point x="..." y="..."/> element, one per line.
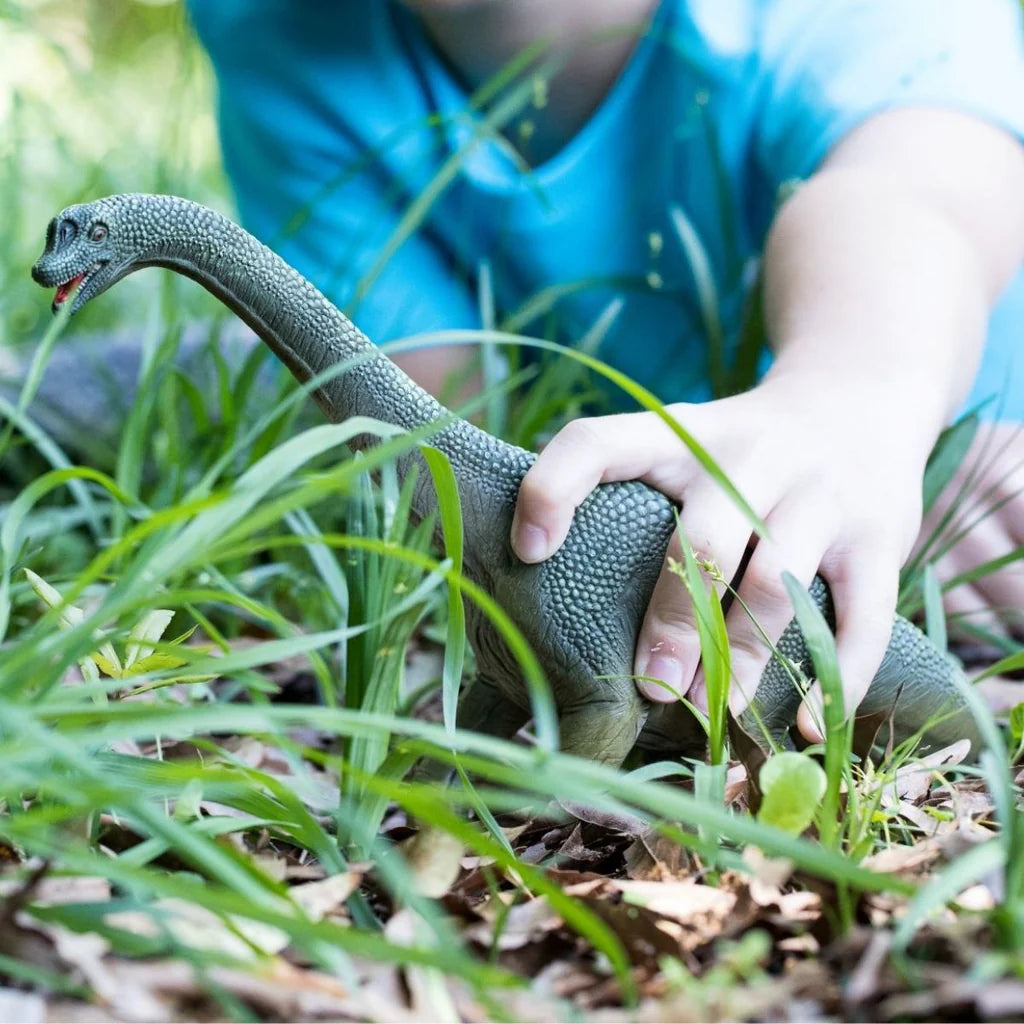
<point x="668" y="647"/>
<point x="798" y="539"/>
<point x="864" y="590"/>
<point x="583" y="454"/>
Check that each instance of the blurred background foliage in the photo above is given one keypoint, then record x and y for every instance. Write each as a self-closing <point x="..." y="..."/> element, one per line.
<point x="97" y="96"/>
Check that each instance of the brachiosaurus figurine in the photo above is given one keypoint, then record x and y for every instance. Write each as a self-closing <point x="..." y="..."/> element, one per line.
<point x="582" y="608"/>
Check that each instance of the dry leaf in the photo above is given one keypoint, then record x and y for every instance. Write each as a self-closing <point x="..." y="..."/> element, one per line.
<point x="897" y="858"/>
<point x="654" y="857"/>
<point x="327" y="896"/>
<point x="687" y="902"/>
<point x="735" y="783"/>
<point x="1001" y="694"/>
<point x="914" y="779"/>
<point x="434" y="857"/>
<point x="54" y="890"/>
<point x="523" y="924"/>
<point x="976" y="897"/>
<point x="615" y="821"/>
<point x="772" y="871"/>
<point x="199" y="928"/>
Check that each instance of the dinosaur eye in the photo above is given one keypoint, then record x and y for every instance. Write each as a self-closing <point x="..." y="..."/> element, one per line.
<point x="66" y="231"/>
<point x="99" y="232"/>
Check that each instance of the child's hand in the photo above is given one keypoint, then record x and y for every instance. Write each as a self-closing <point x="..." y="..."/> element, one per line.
<point x="839" y="493"/>
<point x="878" y="273"/>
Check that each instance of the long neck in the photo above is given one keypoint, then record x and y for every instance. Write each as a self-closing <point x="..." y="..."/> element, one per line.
<point x="310" y="336"/>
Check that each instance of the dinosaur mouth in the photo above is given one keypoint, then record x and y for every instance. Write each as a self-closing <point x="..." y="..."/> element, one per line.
<point x="65" y="290"/>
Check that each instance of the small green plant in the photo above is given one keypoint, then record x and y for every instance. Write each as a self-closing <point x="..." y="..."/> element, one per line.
<point x="1017" y="731"/>
<point x="139" y="657"/>
<point x="791" y="785"/>
<point x="719" y="993"/>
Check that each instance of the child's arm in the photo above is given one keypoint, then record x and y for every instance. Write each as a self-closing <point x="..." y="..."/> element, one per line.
<point x="879" y="273"/>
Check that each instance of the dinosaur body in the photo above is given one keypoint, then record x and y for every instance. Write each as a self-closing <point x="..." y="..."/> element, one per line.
<point x="582" y="608"/>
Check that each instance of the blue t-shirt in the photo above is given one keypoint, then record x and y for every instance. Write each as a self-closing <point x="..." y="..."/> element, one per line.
<point x="341" y="124"/>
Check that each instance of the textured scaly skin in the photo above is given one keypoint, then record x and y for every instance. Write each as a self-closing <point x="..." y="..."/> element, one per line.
<point x="582" y="608"/>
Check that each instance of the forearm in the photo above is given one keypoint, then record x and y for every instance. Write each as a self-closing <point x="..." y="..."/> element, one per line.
<point x="878" y="293"/>
<point x="880" y="271"/>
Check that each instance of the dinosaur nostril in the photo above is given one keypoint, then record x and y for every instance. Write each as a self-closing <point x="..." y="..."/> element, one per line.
<point x="66" y="231"/>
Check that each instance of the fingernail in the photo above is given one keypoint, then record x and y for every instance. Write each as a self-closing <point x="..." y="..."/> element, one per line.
<point x="699" y="693"/>
<point x="811" y="718"/>
<point x="670" y="671"/>
<point x="530" y="542"/>
<point x="737" y="701"/>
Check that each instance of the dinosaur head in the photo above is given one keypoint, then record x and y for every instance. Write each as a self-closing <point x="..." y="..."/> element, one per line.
<point x="85" y="253"/>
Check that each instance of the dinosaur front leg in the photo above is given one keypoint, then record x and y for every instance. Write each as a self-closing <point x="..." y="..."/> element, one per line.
<point x="602" y="726"/>
<point x="484" y="708"/>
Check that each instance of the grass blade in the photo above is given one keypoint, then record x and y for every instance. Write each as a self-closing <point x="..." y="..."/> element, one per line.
<point x="450" y="505"/>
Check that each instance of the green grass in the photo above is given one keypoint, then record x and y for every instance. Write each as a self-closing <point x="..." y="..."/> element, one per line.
<point x="252" y="523"/>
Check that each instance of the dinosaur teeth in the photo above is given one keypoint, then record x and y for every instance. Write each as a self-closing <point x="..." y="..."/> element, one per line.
<point x="64" y="290"/>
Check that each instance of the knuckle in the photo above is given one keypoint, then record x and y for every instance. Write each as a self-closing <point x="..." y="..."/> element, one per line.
<point x="864" y="629"/>
<point x="876" y="625"/>
<point x="747" y="647"/>
<point x="701" y="536"/>
<point x="762" y="588"/>
<point x="670" y="614"/>
<point x="870" y="569"/>
<point x="588" y="432"/>
<point x="538" y="495"/>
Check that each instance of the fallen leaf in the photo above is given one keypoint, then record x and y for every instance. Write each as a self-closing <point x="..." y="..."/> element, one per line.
<point x="896" y="859"/>
<point x="522" y="924"/>
<point x="657" y="858"/>
<point x="54" y="890"/>
<point x="280" y="990"/>
<point x="735" y="783"/>
<point x="773" y="871"/>
<point x="927" y="824"/>
<point x="1001" y="1000"/>
<point x="976" y="897"/>
<point x="798" y="905"/>
<point x="434" y="857"/>
<point x="327" y="896"/>
<point x="914" y="779"/>
<point x="199" y="928"/>
<point x="615" y="821"/>
<point x="688" y="902"/>
<point x="1001" y="694"/>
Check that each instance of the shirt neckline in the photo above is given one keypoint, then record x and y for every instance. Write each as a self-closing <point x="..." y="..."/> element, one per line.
<point x="492" y="164"/>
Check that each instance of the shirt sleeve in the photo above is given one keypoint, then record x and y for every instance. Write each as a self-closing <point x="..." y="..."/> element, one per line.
<point x="825" y="67"/>
<point x="310" y="94"/>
